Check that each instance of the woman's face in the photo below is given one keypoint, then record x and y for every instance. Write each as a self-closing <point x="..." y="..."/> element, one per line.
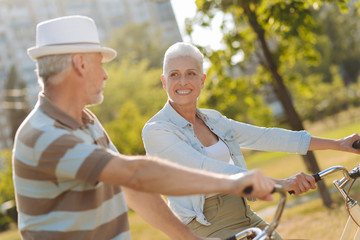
<point x="183" y="80"/>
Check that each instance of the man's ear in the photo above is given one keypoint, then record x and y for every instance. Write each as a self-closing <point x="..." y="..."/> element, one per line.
<point x="78" y="62"/>
<point x="163" y="81"/>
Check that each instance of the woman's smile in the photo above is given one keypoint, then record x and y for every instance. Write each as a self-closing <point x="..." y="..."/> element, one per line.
<point x="183" y="91"/>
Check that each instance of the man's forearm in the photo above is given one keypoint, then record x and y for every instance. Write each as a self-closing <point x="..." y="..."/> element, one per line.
<point x="153" y="209"/>
<point x="160" y="176"/>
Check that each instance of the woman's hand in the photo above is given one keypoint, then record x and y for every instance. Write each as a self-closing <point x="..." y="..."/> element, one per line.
<point x="299" y="183"/>
<point x="343" y="144"/>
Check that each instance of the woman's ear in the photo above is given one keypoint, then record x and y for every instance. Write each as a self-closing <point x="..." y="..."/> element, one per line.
<point x="203" y="80"/>
<point x="163" y="80"/>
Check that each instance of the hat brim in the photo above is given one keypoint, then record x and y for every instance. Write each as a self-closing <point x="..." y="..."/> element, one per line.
<point x="37" y="52"/>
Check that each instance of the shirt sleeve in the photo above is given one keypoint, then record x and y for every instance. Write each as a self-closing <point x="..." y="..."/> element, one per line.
<point x="167" y="144"/>
<point x="66" y="156"/>
<point x="270" y="139"/>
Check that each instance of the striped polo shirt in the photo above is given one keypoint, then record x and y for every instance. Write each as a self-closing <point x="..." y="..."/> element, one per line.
<point x="56" y="165"/>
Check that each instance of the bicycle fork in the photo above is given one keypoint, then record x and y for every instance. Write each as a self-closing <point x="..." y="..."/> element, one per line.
<point x="351" y="230"/>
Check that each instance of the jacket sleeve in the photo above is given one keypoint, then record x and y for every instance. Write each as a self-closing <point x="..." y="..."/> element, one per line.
<point x="270" y="139"/>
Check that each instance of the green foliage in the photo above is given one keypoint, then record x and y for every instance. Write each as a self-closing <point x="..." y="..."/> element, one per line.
<point x="240" y="102"/>
<point x="136" y="42"/>
<point x="6" y="183"/>
<point x="6" y="187"/>
<point x="125" y="129"/>
<point x="4" y="222"/>
<point x="314" y="46"/>
<point x="133" y="94"/>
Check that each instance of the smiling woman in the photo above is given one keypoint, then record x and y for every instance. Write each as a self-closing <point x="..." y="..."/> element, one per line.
<point x="207" y="140"/>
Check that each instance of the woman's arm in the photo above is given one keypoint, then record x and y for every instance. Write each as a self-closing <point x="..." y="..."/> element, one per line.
<point x="343" y="144"/>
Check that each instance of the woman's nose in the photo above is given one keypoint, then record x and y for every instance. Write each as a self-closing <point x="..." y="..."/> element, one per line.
<point x="183" y="79"/>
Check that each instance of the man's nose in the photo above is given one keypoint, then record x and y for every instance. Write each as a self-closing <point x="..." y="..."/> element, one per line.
<point x="106" y="76"/>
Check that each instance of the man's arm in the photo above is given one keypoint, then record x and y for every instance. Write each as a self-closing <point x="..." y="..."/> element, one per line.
<point x="149" y="174"/>
<point x="153" y="209"/>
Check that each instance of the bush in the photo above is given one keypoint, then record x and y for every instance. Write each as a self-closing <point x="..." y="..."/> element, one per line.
<point x="4" y="222"/>
<point x="8" y="211"/>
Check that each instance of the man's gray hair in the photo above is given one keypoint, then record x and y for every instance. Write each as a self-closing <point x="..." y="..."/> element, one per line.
<point x="182" y="49"/>
<point x="49" y="66"/>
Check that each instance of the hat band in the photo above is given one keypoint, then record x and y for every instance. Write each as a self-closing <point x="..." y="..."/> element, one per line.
<point x="75" y="43"/>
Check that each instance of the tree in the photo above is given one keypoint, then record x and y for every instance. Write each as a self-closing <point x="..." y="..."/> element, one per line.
<point x="136" y="42"/>
<point x="133" y="94"/>
<point x="272" y="32"/>
<point x="15" y="100"/>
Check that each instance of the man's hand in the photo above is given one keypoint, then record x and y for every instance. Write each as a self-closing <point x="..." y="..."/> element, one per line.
<point x="261" y="185"/>
<point x="299" y="183"/>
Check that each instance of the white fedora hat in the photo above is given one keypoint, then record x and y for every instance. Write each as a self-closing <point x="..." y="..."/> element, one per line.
<point x="70" y="34"/>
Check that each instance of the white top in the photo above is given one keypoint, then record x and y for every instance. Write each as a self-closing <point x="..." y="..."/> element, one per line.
<point x="218" y="151"/>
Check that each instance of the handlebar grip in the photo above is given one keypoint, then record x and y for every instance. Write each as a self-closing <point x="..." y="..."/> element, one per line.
<point x="231" y="238"/>
<point x="356" y="144"/>
<point x="317" y="177"/>
<point x="248" y="189"/>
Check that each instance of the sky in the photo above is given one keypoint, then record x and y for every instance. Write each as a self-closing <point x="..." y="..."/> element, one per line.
<point x="186" y="9"/>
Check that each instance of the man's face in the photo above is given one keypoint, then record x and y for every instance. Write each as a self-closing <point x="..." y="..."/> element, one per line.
<point x="96" y="77"/>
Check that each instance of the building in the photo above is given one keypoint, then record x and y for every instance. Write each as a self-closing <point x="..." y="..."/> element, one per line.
<point x="18" y="19"/>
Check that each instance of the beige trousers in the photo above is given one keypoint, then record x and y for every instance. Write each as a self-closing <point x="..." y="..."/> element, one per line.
<point x="228" y="215"/>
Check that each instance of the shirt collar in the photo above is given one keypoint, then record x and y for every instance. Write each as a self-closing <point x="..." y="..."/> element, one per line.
<point x="177" y="119"/>
<point x="60" y="116"/>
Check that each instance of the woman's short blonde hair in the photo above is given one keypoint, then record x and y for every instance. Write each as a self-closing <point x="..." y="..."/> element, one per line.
<point x="181" y="49"/>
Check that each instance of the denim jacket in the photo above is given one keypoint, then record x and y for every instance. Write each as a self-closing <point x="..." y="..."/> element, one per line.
<point x="169" y="136"/>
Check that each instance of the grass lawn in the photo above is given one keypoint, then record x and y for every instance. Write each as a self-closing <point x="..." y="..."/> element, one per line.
<point x="308" y="220"/>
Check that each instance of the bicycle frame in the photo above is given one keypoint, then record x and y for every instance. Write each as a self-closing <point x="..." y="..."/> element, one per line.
<point x="351" y="230"/>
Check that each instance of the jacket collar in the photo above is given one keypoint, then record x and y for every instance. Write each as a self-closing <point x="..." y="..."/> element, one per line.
<point x="177" y="119"/>
<point x="60" y="116"/>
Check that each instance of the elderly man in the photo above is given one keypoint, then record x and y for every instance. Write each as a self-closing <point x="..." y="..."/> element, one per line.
<point x="68" y="174"/>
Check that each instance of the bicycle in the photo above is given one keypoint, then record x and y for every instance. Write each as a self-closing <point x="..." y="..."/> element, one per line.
<point x="352" y="227"/>
<point x="257" y="233"/>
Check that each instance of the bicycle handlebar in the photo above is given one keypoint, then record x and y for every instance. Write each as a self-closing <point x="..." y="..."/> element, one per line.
<point x="353" y="174"/>
<point x="348" y="175"/>
<point x="258" y="233"/>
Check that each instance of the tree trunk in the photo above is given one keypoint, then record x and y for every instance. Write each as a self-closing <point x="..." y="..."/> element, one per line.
<point x="285" y="99"/>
